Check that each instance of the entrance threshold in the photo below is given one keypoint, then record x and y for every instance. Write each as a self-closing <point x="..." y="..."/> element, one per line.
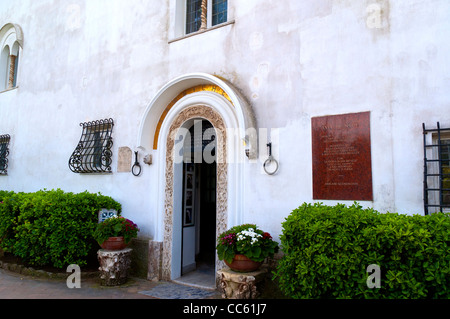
<point x="203" y="277"/>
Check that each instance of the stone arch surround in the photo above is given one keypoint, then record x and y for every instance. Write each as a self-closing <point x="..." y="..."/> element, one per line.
<point x="190" y="96"/>
<point x="183" y="86"/>
<point x="217" y="121"/>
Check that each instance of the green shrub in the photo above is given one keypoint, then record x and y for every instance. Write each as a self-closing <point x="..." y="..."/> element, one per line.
<point x="51" y="227"/>
<point x="328" y="249"/>
<point x="9" y="211"/>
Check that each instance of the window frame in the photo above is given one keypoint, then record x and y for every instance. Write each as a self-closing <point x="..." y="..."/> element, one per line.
<point x="11" y="40"/>
<point x="179" y="30"/>
<point x="211" y="13"/>
<point x="197" y="25"/>
<point x="4" y="67"/>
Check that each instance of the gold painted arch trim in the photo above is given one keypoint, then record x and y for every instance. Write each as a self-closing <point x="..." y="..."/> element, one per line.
<point x="200" y="88"/>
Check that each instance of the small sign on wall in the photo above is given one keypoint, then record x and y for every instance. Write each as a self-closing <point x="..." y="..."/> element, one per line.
<point x="104" y="214"/>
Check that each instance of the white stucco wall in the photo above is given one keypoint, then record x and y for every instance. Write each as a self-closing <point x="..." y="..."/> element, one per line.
<point x="89" y="60"/>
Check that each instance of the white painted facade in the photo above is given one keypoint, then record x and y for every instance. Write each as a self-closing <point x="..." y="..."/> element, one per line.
<point x="280" y="63"/>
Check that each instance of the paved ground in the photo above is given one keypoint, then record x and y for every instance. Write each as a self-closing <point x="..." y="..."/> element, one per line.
<point x="17" y="286"/>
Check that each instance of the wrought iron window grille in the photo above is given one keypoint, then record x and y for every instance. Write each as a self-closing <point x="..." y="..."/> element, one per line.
<point x="4" y="152"/>
<point x="93" y="153"/>
<point x="436" y="169"/>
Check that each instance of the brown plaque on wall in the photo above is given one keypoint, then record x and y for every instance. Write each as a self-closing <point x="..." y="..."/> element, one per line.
<point x="342" y="159"/>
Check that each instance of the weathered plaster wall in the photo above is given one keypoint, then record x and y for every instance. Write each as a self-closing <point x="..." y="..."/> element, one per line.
<point x="82" y="61"/>
<point x="87" y="60"/>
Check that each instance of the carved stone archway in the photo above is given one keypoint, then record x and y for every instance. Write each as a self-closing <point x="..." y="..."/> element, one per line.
<point x="194" y="112"/>
<point x="183" y="99"/>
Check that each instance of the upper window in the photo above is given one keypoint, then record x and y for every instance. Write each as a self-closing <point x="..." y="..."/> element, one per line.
<point x="219" y="11"/>
<point x="11" y="40"/>
<point x="93" y="153"/>
<point x="193" y="15"/>
<point x="203" y="14"/>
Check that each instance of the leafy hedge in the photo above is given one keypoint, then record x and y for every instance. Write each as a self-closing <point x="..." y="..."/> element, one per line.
<point x="328" y="249"/>
<point x="51" y="227"/>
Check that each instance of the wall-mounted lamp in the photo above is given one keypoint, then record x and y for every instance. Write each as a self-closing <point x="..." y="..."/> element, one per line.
<point x="247" y="148"/>
<point x="250" y="142"/>
<point x="269" y="161"/>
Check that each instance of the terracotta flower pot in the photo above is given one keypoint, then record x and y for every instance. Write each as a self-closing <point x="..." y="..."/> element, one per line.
<point x="114" y="243"/>
<point x="241" y="263"/>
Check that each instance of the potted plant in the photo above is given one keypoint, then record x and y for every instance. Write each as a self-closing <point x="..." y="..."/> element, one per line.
<point x="245" y="247"/>
<point x="115" y="233"/>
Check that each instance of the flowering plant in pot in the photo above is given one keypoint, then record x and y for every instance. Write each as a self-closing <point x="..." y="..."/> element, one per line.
<point x="115" y="233"/>
<point x="245" y="247"/>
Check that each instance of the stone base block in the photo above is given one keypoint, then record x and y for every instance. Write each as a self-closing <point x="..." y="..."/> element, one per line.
<point x="114" y="266"/>
<point x="236" y="285"/>
<point x="155" y="261"/>
<point x="139" y="257"/>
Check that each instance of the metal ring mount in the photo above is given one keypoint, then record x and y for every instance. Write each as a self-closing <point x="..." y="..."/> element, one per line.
<point x="136" y="165"/>
<point x="268" y="162"/>
<point x="133" y="170"/>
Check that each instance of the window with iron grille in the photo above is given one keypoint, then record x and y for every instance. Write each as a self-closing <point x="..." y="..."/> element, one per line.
<point x="4" y="152"/>
<point x="436" y="169"/>
<point x="94" y="151"/>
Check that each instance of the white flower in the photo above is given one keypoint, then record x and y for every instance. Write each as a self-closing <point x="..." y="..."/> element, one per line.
<point x="250" y="233"/>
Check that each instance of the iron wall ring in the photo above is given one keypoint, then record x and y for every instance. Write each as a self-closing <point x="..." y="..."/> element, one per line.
<point x="138" y="172"/>
<point x="267" y="163"/>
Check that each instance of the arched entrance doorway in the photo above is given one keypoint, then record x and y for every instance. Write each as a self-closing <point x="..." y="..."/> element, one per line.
<point x="181" y="243"/>
<point x="171" y="114"/>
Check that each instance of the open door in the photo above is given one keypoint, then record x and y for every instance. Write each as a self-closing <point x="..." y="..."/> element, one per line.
<point x="199" y="202"/>
<point x="189" y="219"/>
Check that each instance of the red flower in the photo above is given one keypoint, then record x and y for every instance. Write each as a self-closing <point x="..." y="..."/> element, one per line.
<point x="229" y="239"/>
<point x="267" y="236"/>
